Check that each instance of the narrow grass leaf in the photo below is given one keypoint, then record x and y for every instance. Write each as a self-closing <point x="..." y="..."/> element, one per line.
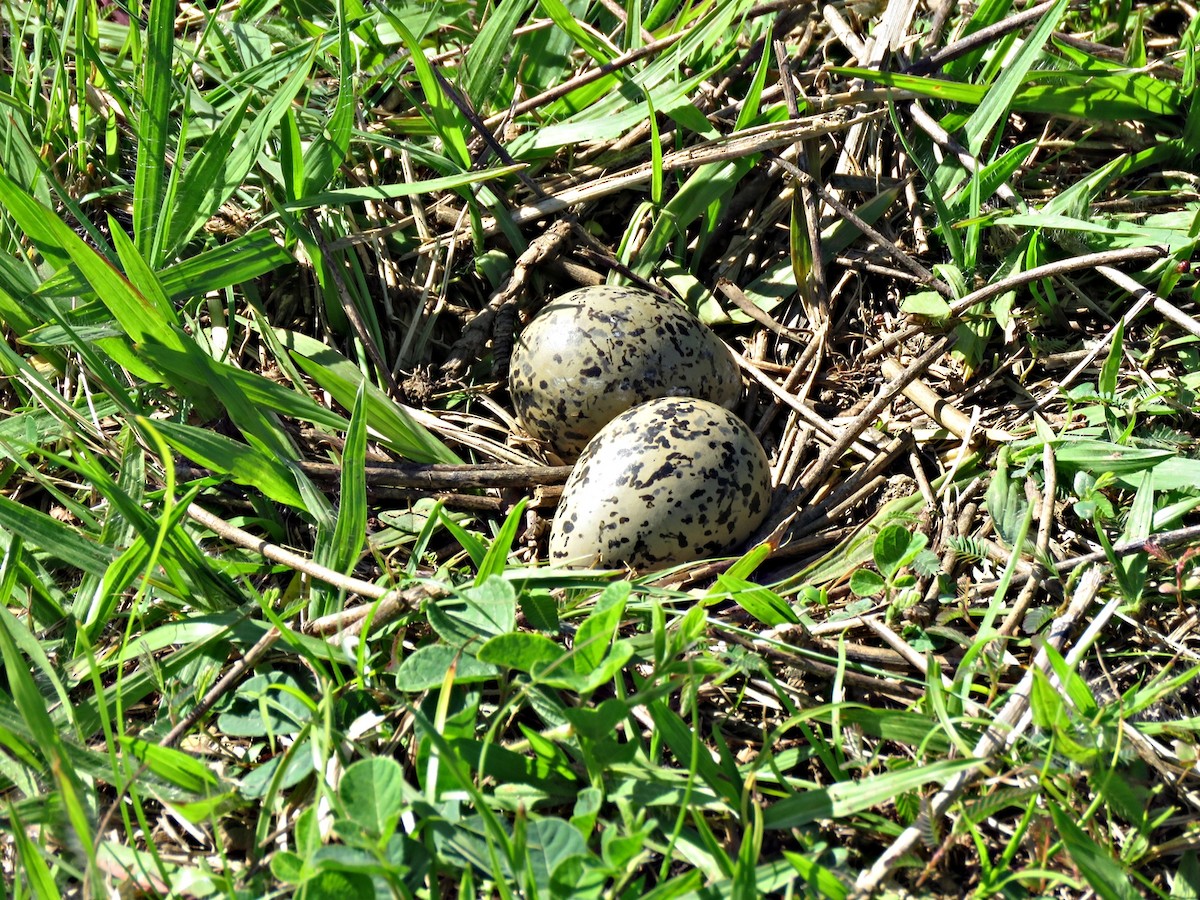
<point x="30" y="861"/>
<point x="473" y="545"/>
<point x="351" y="529"/>
<point x="999" y="96"/>
<point x="54" y="538"/>
<point x="223" y="161"/>
<point x="762" y="603"/>
<point x="496" y="559"/>
<point x="1132" y="568"/>
<point x="443" y="115"/>
<point x="586" y="39"/>
<point x="503" y="766"/>
<point x="1107" y="877"/>
<point x="395" y="424"/>
<point x="138" y="317"/>
<point x="849" y="797"/>
<point x="344" y="196"/>
<point x="818" y="877"/>
<point x="328" y="150"/>
<point x="681" y="739"/>
<point x="173" y="766"/>
<point x="32" y="707"/>
<point x="152" y="126"/>
<point x="487" y="53"/>
<point x="244" y="464"/>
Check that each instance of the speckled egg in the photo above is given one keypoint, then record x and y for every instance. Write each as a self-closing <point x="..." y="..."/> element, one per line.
<point x="670" y="481"/>
<point x="597" y="351"/>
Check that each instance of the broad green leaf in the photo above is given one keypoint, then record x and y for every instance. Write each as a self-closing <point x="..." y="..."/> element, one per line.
<point x="425" y="669"/>
<point x="866" y="583"/>
<point x="372" y="793"/>
<point x="929" y="304"/>
<point x="525" y="652"/>
<point x="597" y="631"/>
<point x="474" y="614"/>
<point x="268" y="705"/>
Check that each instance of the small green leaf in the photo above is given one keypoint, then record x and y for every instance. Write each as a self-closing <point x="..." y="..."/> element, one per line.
<point x="597" y="631"/>
<point x="866" y="583"/>
<point x="524" y="652"/>
<point x="475" y="614"/>
<point x="372" y="792"/>
<point x="929" y="304"/>
<point x="426" y="668"/>
<point x="894" y="548"/>
<point x="331" y="884"/>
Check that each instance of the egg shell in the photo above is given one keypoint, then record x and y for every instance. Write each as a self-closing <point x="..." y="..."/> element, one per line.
<point x="670" y="481"/>
<point x="597" y="351"/>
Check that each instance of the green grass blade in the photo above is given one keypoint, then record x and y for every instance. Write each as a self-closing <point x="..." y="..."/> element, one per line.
<point x="1099" y="866"/>
<point x="53" y="537"/>
<point x="497" y="556"/>
<point x="443" y="115"/>
<point x="222" y="163"/>
<point x="342" y="552"/>
<point x="30" y="861"/>
<point x="244" y="464"/>
<point x="325" y="154"/>
<point x="486" y="56"/>
<point x="586" y="39"/>
<point x="402" y="189"/>
<point x="153" y="127"/>
<point x="995" y="105"/>
<point x="394" y="423"/>
<point x="849" y="797"/>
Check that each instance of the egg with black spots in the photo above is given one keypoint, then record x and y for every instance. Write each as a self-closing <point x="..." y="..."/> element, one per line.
<point x="597" y="351"/>
<point x="671" y="481"/>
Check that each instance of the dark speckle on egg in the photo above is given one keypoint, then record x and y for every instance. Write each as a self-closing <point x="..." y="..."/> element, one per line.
<point x="597" y="351"/>
<point x="673" y="480"/>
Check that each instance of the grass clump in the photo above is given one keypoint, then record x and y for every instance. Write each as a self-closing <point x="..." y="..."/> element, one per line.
<point x="273" y="617"/>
